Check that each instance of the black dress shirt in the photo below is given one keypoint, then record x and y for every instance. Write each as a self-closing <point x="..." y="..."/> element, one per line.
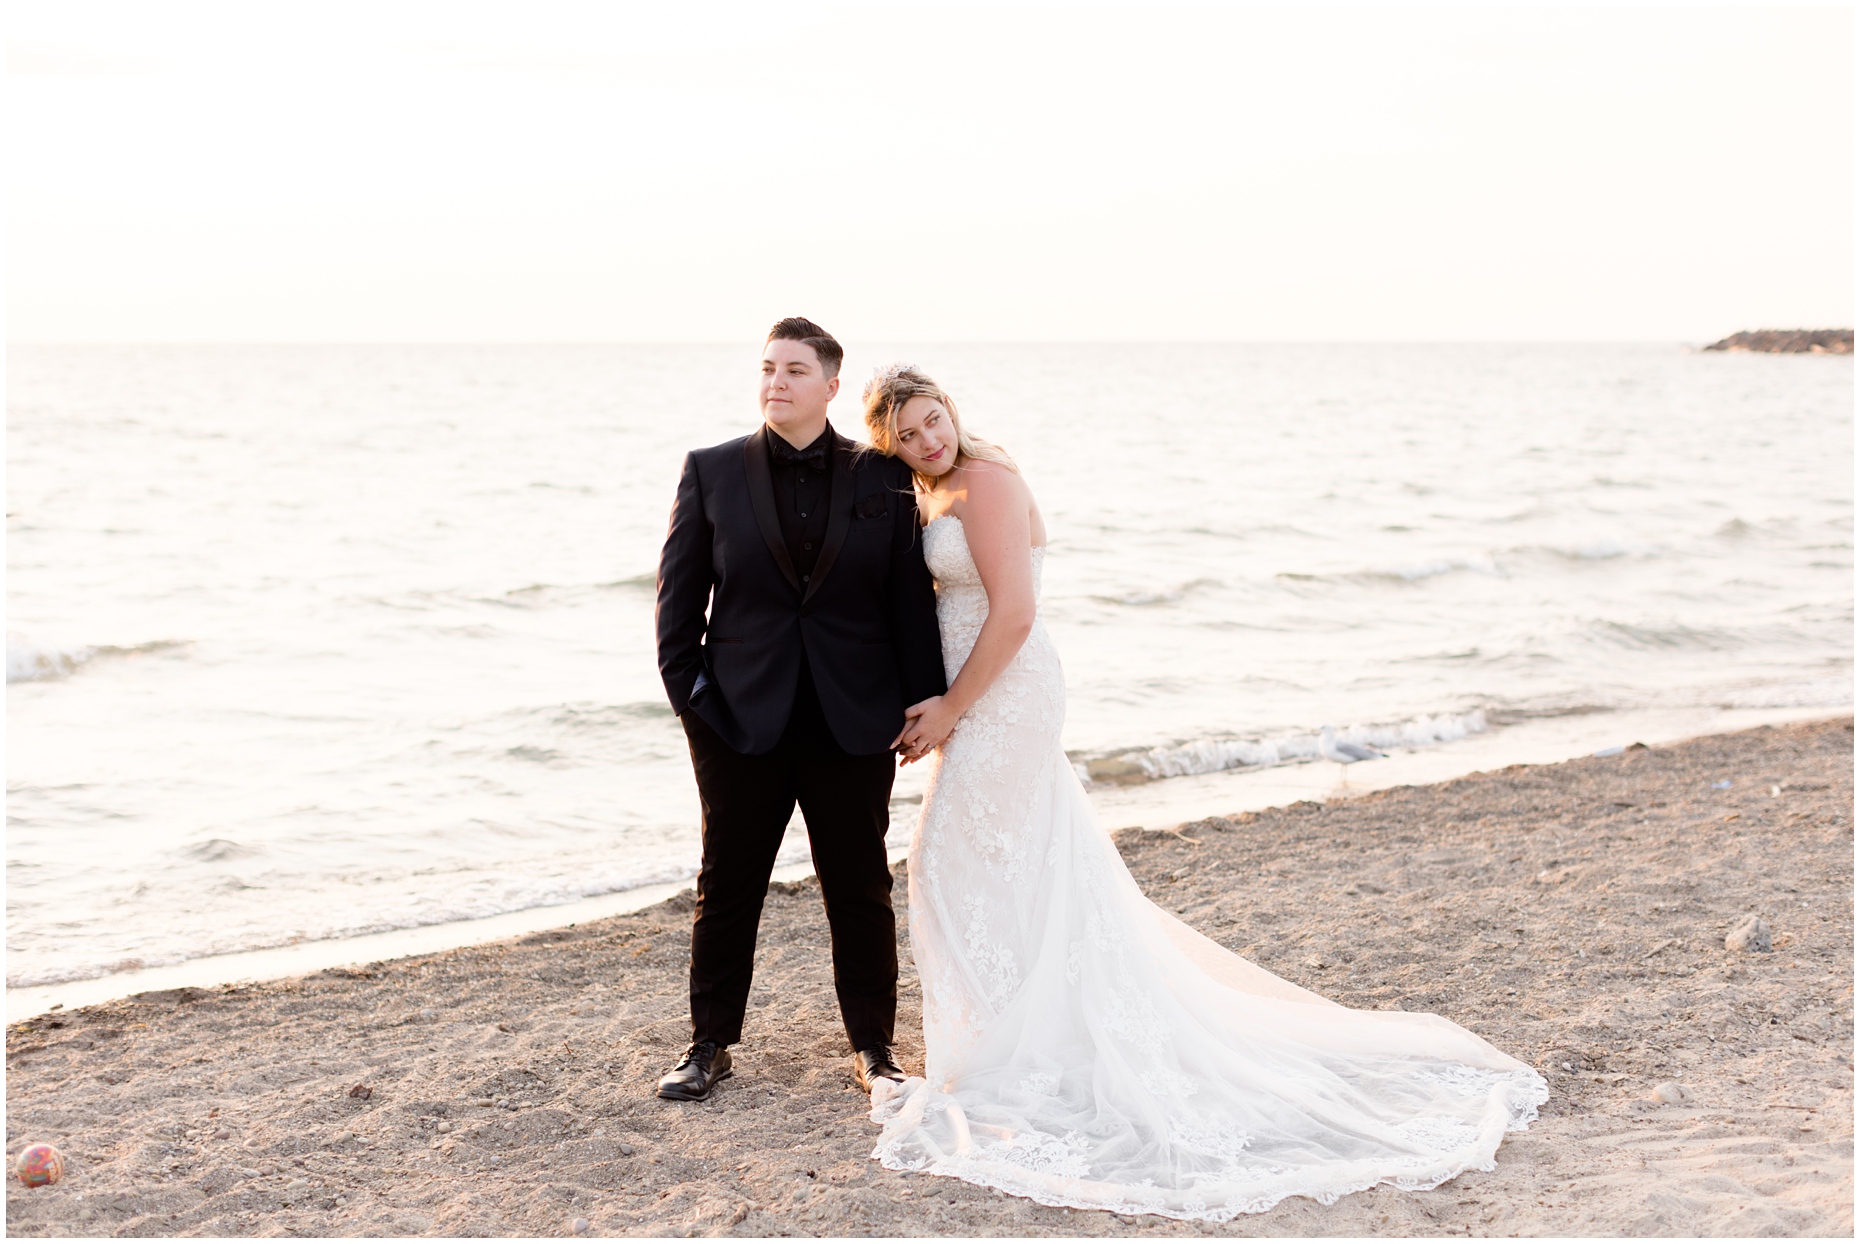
<point x="801" y="479"/>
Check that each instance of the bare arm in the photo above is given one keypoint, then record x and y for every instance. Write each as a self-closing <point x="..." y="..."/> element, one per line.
<point x="997" y="521"/>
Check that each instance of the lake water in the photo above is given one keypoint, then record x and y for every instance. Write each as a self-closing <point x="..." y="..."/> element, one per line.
<point x="311" y="641"/>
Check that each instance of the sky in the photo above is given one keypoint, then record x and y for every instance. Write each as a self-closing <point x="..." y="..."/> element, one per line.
<point x="429" y="170"/>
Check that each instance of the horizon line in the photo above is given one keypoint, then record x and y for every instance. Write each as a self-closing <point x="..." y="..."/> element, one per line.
<point x="915" y="341"/>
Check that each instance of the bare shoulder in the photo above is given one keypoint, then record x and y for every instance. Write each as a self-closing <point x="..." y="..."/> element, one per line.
<point x="990" y="485"/>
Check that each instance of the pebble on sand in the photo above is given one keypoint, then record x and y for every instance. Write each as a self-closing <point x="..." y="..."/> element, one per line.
<point x="1670" y="1092"/>
<point x="1751" y="933"/>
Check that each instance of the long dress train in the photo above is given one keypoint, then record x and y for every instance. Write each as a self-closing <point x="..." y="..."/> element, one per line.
<point x="1085" y="1048"/>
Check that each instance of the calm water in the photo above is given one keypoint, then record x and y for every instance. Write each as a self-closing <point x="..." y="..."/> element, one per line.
<point x="311" y="641"/>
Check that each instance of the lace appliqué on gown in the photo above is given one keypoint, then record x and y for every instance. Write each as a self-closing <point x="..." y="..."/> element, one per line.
<point x="1085" y="1048"/>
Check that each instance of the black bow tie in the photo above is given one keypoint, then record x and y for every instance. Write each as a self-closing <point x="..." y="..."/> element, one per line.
<point x="814" y="455"/>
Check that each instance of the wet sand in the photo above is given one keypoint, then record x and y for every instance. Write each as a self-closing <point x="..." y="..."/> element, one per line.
<point x="1574" y="914"/>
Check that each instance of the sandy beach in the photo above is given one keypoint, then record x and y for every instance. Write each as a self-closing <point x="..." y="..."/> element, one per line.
<point x="1574" y="914"/>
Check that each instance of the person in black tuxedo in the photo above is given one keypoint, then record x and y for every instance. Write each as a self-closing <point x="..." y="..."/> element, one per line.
<point x="821" y="628"/>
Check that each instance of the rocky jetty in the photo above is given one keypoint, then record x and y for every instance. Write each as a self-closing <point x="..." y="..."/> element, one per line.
<point x="1790" y="341"/>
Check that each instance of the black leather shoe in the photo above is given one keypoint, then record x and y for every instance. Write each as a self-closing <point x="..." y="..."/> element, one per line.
<point x="876" y="1064"/>
<point x="697" y="1073"/>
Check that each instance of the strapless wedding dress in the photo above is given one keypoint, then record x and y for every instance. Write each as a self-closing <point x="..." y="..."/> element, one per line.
<point x="1085" y="1048"/>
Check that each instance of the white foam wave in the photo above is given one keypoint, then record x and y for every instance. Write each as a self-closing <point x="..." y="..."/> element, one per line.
<point x="305" y="924"/>
<point x="30" y="662"/>
<point x="1836" y="692"/>
<point x="1216" y="755"/>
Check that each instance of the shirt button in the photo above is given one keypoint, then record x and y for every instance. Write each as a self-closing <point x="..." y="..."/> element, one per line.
<point x="804" y="578"/>
<point x="803" y="513"/>
<point x="807" y="546"/>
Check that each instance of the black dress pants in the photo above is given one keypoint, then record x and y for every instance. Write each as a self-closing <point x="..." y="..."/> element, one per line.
<point x="746" y="803"/>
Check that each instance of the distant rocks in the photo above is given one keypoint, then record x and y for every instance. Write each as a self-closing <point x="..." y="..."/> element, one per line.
<point x="1670" y="1093"/>
<point x="1790" y="341"/>
<point x="1750" y="933"/>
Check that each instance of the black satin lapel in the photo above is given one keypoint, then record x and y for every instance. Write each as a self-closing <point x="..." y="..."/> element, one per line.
<point x="839" y="512"/>
<point x="762" y="501"/>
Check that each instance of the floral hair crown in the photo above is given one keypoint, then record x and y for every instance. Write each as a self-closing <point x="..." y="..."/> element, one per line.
<point x="884" y="377"/>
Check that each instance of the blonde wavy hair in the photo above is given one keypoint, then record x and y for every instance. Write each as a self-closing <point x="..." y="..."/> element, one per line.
<point x="886" y="394"/>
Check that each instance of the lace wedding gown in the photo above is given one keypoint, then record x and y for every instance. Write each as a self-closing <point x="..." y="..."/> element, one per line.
<point x="1083" y="1047"/>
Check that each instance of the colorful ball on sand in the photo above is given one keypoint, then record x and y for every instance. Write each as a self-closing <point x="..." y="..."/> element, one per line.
<point x="38" y="1165"/>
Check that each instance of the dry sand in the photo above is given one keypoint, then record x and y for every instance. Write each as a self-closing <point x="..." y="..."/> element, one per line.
<point x="1574" y="914"/>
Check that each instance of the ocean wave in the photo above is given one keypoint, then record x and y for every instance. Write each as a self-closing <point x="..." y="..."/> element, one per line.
<point x="1742" y="529"/>
<point x="31" y="662"/>
<point x="1493" y="564"/>
<point x="1833" y="692"/>
<point x="1594" y="551"/>
<point x="1217" y="755"/>
<point x="604" y="716"/>
<point x="1628" y="635"/>
<point x="1398" y="575"/>
<point x="1164" y="596"/>
<point x="337" y="924"/>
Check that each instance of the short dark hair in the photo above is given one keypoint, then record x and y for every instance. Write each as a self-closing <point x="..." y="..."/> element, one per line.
<point x="812" y="335"/>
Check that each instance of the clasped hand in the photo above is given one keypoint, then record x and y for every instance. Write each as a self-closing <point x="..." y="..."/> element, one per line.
<point x="927" y="724"/>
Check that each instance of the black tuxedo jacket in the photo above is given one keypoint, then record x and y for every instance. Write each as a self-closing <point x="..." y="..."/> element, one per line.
<point x="866" y="619"/>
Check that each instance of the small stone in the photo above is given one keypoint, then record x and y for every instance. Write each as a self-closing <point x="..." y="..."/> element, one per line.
<point x="362" y="1091"/>
<point x="626" y="1151"/>
<point x="344" y="1137"/>
<point x="1670" y="1093"/>
<point x="445" y="1125"/>
<point x="426" y="1012"/>
<point x="222" y="1134"/>
<point x="1315" y="962"/>
<point x="297" y="1185"/>
<point x="1750" y="933"/>
<point x="581" y="1226"/>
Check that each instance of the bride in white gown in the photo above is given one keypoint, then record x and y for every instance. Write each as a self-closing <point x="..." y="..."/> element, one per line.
<point x="1083" y="1047"/>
